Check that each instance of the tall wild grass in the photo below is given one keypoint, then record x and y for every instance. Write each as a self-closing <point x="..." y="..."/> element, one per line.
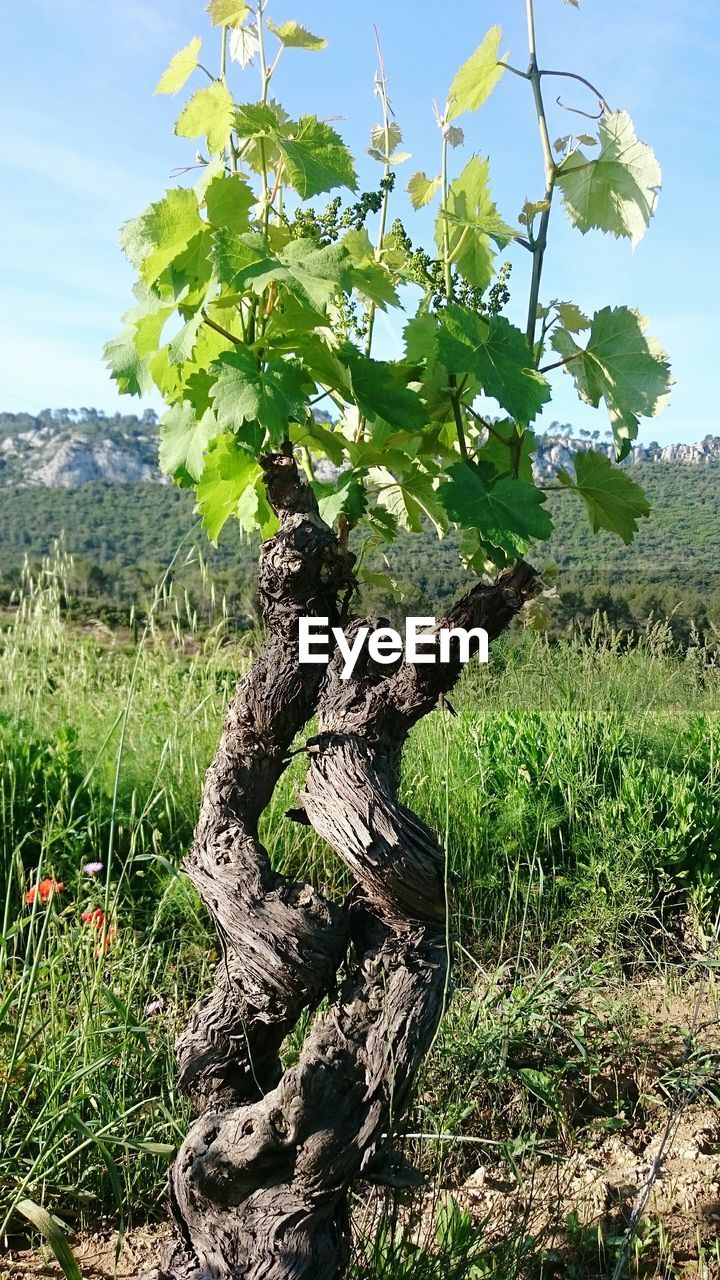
<point x="578" y="788"/>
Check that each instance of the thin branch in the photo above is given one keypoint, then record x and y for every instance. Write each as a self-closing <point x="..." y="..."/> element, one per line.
<point x="381" y="84"/>
<point x="558" y="364"/>
<point x="459" y="424"/>
<point x="186" y="168"/>
<point x="443" y="211"/>
<point x="306" y="463"/>
<point x="539" y="242"/>
<point x="487" y="425"/>
<point x="323" y="396"/>
<point x="515" y="70"/>
<point x="219" y="329"/>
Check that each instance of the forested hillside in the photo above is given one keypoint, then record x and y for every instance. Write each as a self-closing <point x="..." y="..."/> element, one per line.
<point x="123" y="532"/>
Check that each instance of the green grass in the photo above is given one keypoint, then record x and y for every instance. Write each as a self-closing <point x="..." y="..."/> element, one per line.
<point x="579" y="786"/>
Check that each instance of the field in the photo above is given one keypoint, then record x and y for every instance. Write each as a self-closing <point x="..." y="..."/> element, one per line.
<point x="578" y="793"/>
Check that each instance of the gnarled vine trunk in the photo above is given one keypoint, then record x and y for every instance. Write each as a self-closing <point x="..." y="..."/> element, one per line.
<point x="259" y="1189"/>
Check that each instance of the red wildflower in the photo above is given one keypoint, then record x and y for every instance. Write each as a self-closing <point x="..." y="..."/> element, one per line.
<point x="106" y="942"/>
<point x="94" y="916"/>
<point x="44" y="890"/>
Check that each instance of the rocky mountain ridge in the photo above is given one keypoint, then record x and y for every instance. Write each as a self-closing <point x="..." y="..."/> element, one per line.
<point x="67" y="448"/>
<point x="555" y="452"/>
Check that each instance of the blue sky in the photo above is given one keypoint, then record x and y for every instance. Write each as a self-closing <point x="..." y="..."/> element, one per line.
<point x="86" y="146"/>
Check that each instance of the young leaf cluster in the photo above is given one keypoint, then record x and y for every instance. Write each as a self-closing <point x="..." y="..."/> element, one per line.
<point x="254" y="306"/>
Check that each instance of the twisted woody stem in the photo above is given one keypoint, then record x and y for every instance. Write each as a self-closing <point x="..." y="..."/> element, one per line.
<point x="260" y="1186"/>
<point x="281" y="942"/>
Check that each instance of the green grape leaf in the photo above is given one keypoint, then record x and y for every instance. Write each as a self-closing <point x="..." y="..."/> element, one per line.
<point x="294" y="36"/>
<point x="316" y="158"/>
<point x="480" y="556"/>
<point x="211" y="344"/>
<point x="258" y="120"/>
<point x="475" y="209"/>
<point x="228" y="201"/>
<point x="614" y="500"/>
<point x="365" y="454"/>
<point x="621" y="365"/>
<point x="498" y="354"/>
<point x="187" y="277"/>
<point x="380" y="391"/>
<point x="183" y="440"/>
<point x="310" y="273"/>
<point x="347" y="497"/>
<point x="168" y="378"/>
<point x="241" y="259"/>
<point x="148" y="328"/>
<point x="245" y="392"/>
<point x="420" y="336"/>
<point x="161" y="233"/>
<point x="244" y="43"/>
<point x="183" y="344"/>
<point x="228" y="473"/>
<point x="127" y="368"/>
<point x="507" y="512"/>
<point x="410" y="499"/>
<point x="228" y="13"/>
<point x="531" y="209"/>
<point x="368" y="276"/>
<point x="210" y="112"/>
<point x="422" y="189"/>
<point x="318" y="273"/>
<point x="472" y="220"/>
<point x="182" y="65"/>
<point x="381" y="581"/>
<point x="143" y="327"/>
<point x="197" y="387"/>
<point x="215" y="168"/>
<point x="254" y="512"/>
<point x="312" y="434"/>
<point x="383" y="523"/>
<point x="320" y="360"/>
<point x="385" y="142"/>
<point x="571" y="317"/>
<point x="502" y="445"/>
<point x="617" y="191"/>
<point x="477" y="78"/>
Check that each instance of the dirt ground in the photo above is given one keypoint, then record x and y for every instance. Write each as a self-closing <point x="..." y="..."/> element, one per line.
<point x="95" y="1254"/>
<point x="598" y="1188"/>
<point x="663" y="1169"/>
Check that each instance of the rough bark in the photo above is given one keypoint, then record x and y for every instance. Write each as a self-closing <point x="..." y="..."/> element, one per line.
<point x="281" y="942"/>
<point x="260" y="1187"/>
